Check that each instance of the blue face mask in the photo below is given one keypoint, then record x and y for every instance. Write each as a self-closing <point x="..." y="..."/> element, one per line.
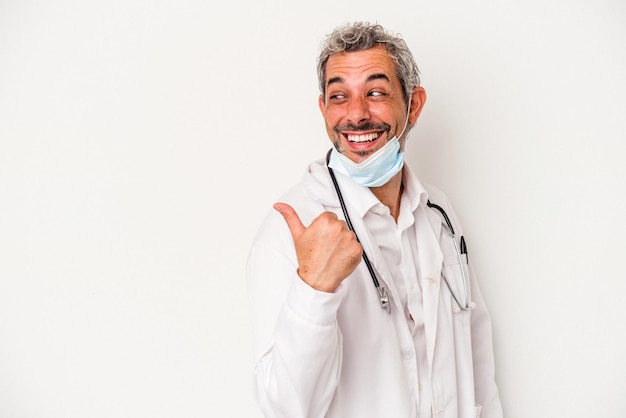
<point x="376" y="170"/>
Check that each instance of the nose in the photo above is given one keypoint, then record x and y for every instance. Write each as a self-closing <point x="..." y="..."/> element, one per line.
<point x="358" y="111"/>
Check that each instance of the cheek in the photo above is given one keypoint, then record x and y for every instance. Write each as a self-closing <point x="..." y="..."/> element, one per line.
<point x="332" y="114"/>
<point x="332" y="118"/>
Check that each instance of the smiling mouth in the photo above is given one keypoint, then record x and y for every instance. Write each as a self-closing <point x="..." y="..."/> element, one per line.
<point x="362" y="138"/>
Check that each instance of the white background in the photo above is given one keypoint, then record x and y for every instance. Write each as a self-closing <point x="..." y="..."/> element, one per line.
<point x="142" y="142"/>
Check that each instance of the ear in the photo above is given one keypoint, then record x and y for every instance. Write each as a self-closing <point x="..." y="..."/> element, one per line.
<point x="320" y="103"/>
<point x="418" y="99"/>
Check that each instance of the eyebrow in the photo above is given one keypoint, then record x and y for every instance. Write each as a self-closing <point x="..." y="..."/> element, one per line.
<point x="377" y="76"/>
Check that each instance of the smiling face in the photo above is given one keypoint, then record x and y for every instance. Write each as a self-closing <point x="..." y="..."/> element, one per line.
<point x="364" y="106"/>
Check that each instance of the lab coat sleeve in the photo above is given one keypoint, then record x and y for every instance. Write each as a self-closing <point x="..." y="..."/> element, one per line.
<point x="297" y="343"/>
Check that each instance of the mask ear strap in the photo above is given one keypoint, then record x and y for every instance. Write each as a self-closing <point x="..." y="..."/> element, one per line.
<point x="406" y="119"/>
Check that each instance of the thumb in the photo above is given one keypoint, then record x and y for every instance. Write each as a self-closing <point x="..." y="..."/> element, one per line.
<point x="291" y="217"/>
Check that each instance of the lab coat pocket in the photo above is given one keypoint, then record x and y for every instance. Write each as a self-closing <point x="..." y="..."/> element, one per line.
<point x="454" y="282"/>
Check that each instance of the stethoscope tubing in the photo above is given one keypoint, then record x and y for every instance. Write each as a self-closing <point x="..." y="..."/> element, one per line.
<point x="383" y="296"/>
<point x="457" y="250"/>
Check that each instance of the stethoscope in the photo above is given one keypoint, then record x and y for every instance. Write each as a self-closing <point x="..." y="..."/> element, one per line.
<point x="383" y="295"/>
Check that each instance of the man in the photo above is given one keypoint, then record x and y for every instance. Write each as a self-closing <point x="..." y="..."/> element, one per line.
<point x="371" y="310"/>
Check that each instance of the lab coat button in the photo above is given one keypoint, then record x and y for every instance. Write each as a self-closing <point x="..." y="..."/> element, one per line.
<point x="407" y="353"/>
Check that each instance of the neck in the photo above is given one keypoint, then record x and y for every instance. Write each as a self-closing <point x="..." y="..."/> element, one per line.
<point x="390" y="194"/>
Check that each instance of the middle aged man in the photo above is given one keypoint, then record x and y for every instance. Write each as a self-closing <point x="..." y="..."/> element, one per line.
<point x="364" y="302"/>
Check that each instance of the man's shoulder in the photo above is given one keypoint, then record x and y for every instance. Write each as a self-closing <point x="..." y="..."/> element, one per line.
<point x="434" y="192"/>
<point x="305" y="198"/>
<point x="308" y="198"/>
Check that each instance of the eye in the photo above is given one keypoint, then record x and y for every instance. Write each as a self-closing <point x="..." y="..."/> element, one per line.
<point x="336" y="97"/>
<point x="377" y="94"/>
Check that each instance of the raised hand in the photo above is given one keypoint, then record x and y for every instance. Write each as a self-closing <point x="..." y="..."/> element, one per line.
<point x="327" y="250"/>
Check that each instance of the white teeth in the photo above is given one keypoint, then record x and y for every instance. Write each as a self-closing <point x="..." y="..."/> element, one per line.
<point x="362" y="138"/>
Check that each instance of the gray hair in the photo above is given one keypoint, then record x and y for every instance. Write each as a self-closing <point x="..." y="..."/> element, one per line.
<point x="361" y="36"/>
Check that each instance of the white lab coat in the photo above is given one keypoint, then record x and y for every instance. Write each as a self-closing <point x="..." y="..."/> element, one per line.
<point x="340" y="354"/>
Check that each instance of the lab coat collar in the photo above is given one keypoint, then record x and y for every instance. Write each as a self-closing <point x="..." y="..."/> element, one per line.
<point x="361" y="199"/>
<point x="358" y="198"/>
<point x="430" y="261"/>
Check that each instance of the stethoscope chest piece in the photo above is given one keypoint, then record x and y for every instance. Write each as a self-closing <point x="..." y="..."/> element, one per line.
<point x="383" y="298"/>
